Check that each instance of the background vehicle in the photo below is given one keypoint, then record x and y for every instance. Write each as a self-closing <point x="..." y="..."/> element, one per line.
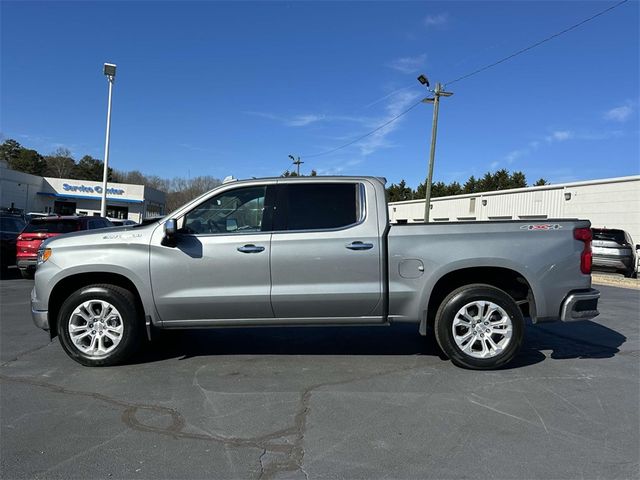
<point x="119" y="222"/>
<point x="312" y="251"/>
<point x="40" y="228"/>
<point x="10" y="228"/>
<point x="613" y="250"/>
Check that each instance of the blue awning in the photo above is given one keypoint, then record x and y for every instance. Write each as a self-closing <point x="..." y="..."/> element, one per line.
<point x="86" y="197"/>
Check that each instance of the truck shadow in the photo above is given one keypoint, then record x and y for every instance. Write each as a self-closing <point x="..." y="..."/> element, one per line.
<point x="557" y="341"/>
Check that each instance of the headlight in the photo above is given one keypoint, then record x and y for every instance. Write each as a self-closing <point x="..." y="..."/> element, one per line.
<point x="43" y="255"/>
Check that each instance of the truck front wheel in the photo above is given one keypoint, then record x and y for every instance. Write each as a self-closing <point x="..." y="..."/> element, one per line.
<point x="99" y="325"/>
<point x="479" y="327"/>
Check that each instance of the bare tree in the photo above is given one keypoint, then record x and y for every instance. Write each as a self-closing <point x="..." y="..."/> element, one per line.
<point x="60" y="163"/>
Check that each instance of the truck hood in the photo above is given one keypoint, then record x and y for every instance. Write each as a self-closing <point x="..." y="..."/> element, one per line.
<point x="103" y="236"/>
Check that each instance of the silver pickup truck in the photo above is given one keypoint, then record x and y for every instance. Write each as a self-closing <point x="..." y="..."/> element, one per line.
<point x="311" y="251"/>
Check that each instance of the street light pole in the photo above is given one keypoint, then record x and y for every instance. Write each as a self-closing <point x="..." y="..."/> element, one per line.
<point x="437" y="93"/>
<point x="110" y="72"/>
<point x="432" y="152"/>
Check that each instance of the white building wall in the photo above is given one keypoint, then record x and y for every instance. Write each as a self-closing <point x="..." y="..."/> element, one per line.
<point x="611" y="203"/>
<point x="19" y="190"/>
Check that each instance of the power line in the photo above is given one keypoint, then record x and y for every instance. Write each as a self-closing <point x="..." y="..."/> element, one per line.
<point x="475" y="72"/>
<point x="366" y="134"/>
<point x="530" y="47"/>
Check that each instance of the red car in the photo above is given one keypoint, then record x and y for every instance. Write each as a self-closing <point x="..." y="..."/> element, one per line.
<point x="39" y="229"/>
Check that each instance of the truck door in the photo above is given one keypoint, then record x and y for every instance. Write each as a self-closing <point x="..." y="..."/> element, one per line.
<point x="219" y="267"/>
<point x="325" y="252"/>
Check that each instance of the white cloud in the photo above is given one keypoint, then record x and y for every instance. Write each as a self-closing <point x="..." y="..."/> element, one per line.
<point x="436" y="20"/>
<point x="395" y="107"/>
<point x="494" y="164"/>
<point x="303" y="120"/>
<point x="559" y="136"/>
<point x="408" y="64"/>
<point x="620" y="114"/>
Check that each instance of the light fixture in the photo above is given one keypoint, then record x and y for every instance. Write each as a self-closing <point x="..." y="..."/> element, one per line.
<point x="109" y="69"/>
<point x="423" y="80"/>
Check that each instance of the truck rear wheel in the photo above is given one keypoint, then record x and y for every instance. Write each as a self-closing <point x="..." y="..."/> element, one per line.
<point x="479" y="327"/>
<point x="99" y="325"/>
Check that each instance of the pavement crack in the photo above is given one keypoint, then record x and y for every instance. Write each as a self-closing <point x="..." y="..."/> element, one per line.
<point x="22" y="354"/>
<point x="287" y="457"/>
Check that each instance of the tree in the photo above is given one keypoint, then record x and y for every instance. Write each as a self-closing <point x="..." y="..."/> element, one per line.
<point x="28" y="161"/>
<point x="438" y="189"/>
<point x="89" y="168"/>
<point x="10" y="150"/>
<point x="182" y="190"/>
<point x="540" y="182"/>
<point x="471" y="185"/>
<point x="454" y="188"/>
<point x="400" y="192"/>
<point x="288" y="173"/>
<point x="518" y="180"/>
<point x="60" y="163"/>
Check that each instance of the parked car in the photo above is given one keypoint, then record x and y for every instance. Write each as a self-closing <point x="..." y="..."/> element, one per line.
<point x="312" y="251"/>
<point x="613" y="250"/>
<point x="10" y="227"/>
<point x="40" y="228"/>
<point x="120" y="222"/>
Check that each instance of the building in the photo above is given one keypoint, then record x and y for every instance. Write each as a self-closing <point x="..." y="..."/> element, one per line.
<point x="31" y="193"/>
<point x="610" y="203"/>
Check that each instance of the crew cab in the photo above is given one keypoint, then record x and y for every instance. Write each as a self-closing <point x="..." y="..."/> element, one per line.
<point x="312" y="251"/>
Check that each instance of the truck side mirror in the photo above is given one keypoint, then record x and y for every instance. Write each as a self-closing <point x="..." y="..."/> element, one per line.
<point x="170" y="231"/>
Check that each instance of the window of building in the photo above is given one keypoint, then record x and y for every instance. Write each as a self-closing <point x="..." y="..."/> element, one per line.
<point x="117" y="212"/>
<point x="317" y="206"/>
<point x="64" y="208"/>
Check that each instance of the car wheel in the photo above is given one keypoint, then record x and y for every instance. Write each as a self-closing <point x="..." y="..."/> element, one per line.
<point x="99" y="325"/>
<point x="27" y="273"/>
<point x="479" y="327"/>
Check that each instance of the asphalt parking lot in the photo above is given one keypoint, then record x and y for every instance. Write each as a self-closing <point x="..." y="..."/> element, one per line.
<point x="361" y="403"/>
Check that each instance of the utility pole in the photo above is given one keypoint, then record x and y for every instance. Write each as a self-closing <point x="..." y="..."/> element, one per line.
<point x="110" y="73"/>
<point x="296" y="163"/>
<point x="437" y="93"/>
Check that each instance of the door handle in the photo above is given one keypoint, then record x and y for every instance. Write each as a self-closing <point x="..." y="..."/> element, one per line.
<point x="358" y="245"/>
<point x="250" y="248"/>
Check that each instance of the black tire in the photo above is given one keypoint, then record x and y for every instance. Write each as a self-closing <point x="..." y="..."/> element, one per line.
<point x="125" y="303"/>
<point x="27" y="273"/>
<point x="447" y="312"/>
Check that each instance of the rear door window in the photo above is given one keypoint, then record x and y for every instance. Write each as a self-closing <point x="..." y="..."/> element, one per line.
<point x="51" y="226"/>
<point x="317" y="206"/>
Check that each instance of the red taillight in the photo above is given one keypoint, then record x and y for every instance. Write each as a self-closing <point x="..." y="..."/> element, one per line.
<point x="19" y="237"/>
<point x="584" y="235"/>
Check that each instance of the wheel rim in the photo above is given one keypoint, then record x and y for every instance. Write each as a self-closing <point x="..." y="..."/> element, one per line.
<point x="482" y="329"/>
<point x="96" y="328"/>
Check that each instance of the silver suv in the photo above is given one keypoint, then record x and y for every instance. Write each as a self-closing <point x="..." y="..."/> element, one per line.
<point x="613" y="250"/>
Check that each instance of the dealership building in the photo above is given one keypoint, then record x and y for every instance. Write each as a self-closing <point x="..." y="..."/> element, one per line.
<point x="608" y="203"/>
<point x="64" y="196"/>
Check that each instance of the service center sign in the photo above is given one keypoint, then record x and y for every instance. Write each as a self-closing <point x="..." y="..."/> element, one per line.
<point x="85" y="189"/>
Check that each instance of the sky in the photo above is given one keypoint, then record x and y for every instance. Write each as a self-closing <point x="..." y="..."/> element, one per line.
<point x="216" y="88"/>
